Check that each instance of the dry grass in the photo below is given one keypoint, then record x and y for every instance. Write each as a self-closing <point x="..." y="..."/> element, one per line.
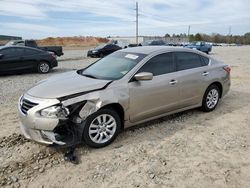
<point x="72" y="41"/>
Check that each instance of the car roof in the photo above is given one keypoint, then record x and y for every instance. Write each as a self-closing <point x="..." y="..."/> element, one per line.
<point x="23" y="47"/>
<point x="147" y="50"/>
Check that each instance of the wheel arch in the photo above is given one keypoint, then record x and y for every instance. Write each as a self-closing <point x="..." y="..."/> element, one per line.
<point x="219" y="85"/>
<point x="44" y="60"/>
<point x="119" y="109"/>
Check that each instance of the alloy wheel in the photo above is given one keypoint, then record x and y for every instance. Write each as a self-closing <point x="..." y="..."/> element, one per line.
<point x="102" y="128"/>
<point x="212" y="98"/>
<point x="44" y="67"/>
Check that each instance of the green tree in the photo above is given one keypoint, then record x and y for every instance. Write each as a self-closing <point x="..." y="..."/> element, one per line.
<point x="167" y="35"/>
<point x="198" y="37"/>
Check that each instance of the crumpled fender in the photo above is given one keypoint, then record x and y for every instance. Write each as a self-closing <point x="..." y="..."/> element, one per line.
<point x="98" y="99"/>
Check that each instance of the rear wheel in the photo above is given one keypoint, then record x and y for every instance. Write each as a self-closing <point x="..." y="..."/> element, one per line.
<point x="211" y="98"/>
<point x="43" y="67"/>
<point x="101" y="128"/>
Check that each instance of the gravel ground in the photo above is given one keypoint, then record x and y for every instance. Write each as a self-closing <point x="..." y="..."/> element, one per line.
<point x="189" y="149"/>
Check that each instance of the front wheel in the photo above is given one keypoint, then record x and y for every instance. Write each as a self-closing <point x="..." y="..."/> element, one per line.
<point x="211" y="98"/>
<point x="101" y="128"/>
<point x="43" y="67"/>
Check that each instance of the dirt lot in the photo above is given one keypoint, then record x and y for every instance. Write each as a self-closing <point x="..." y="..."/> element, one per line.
<point x="189" y="149"/>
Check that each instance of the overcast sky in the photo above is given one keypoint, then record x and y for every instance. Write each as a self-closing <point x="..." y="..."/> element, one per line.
<point x="43" y="18"/>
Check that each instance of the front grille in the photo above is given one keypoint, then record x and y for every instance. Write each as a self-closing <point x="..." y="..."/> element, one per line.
<point x="26" y="105"/>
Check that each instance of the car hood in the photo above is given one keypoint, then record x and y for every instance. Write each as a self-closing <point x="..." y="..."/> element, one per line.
<point x="65" y="84"/>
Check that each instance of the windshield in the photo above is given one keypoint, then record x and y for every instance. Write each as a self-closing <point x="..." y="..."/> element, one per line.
<point x="114" y="66"/>
<point x="100" y="46"/>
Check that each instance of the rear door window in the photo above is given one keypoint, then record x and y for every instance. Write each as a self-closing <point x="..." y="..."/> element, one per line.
<point x="160" y="64"/>
<point x="187" y="60"/>
<point x="30" y="52"/>
<point x="205" y="60"/>
<point x="12" y="52"/>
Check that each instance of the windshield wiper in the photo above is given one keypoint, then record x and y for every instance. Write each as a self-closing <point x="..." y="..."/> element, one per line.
<point x="89" y="75"/>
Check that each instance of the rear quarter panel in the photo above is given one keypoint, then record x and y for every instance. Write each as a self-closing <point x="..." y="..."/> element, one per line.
<point x="218" y="74"/>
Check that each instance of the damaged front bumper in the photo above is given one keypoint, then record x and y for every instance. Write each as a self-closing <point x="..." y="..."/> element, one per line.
<point x="63" y="132"/>
<point x="34" y="126"/>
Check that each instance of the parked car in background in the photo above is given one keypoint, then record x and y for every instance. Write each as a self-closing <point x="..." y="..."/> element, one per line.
<point x="154" y="43"/>
<point x="127" y="87"/>
<point x="16" y="59"/>
<point x="103" y="50"/>
<point x="201" y="46"/>
<point x="57" y="50"/>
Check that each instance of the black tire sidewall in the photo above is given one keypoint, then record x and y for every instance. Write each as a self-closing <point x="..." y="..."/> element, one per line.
<point x="38" y="67"/>
<point x="204" y="102"/>
<point x="87" y="140"/>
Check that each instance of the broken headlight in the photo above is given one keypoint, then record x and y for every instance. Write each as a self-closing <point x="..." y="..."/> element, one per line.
<point x="55" y="112"/>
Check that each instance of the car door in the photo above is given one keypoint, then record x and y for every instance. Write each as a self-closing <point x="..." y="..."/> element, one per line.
<point x="193" y="75"/>
<point x="30" y="58"/>
<point x="203" y="47"/>
<point x="157" y="96"/>
<point x="11" y="59"/>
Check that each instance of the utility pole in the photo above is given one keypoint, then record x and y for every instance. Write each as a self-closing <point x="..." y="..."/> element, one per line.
<point x="229" y="30"/>
<point x="137" y="15"/>
<point x="188" y="33"/>
<point x="229" y="35"/>
<point x="188" y="30"/>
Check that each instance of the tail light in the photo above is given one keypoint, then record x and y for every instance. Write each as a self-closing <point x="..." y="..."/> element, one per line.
<point x="52" y="54"/>
<point x="227" y="69"/>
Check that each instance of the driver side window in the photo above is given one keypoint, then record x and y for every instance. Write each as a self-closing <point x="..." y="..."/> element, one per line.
<point x="160" y="64"/>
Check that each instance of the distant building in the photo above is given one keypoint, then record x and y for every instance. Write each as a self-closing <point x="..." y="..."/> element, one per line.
<point x="6" y="37"/>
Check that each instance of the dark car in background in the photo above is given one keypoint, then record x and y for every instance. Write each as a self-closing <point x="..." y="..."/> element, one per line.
<point x="57" y="50"/>
<point x="103" y="50"/>
<point x="15" y="59"/>
<point x="154" y="43"/>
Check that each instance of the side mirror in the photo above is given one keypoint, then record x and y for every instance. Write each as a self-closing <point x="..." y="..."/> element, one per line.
<point x="1" y="56"/>
<point x="143" y="76"/>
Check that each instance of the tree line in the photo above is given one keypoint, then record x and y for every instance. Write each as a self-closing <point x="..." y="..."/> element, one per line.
<point x="215" y="38"/>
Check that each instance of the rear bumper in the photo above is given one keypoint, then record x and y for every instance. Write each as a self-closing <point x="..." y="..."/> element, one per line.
<point x="226" y="86"/>
<point x="54" y="63"/>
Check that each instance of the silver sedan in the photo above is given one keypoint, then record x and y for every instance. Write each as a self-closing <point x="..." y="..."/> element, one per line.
<point x="128" y="87"/>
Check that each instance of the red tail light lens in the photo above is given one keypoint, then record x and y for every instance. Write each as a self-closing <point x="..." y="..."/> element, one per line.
<point x="227" y="69"/>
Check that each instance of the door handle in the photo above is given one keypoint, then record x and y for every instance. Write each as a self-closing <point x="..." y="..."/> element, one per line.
<point x="173" y="82"/>
<point x="205" y="73"/>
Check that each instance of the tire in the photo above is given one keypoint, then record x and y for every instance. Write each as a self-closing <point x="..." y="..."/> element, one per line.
<point x="207" y="52"/>
<point x="211" y="98"/>
<point x="102" y="134"/>
<point x="43" y="67"/>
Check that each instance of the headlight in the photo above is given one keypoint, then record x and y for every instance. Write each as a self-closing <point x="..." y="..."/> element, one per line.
<point x="94" y="51"/>
<point x="55" y="112"/>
